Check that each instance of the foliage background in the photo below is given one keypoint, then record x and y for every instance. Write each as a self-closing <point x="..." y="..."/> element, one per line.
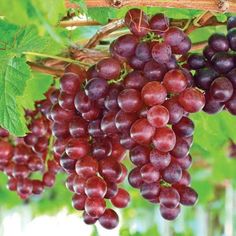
<point x="29" y="27"/>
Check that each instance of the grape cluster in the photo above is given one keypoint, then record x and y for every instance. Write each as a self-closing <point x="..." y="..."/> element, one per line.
<point x="22" y="157"/>
<point x="216" y="70"/>
<point x="136" y="100"/>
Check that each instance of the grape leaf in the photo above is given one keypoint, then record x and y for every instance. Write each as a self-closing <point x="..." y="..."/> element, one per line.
<point x="14" y="73"/>
<point x="35" y="88"/>
<point x="101" y="14"/>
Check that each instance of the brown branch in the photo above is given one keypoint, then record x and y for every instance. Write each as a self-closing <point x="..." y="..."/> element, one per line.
<point x="104" y="31"/>
<point x="206" y="5"/>
<point x="71" y="23"/>
<point x="45" y="69"/>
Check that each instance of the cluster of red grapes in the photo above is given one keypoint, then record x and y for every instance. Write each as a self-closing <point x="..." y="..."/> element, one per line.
<point x="22" y="157"/>
<point x="137" y="100"/>
<point x="216" y="70"/>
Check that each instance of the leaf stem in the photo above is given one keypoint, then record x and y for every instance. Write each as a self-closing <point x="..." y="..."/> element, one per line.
<point x="57" y="58"/>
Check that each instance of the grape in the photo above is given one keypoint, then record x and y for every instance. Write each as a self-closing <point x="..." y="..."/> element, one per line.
<point x="169" y="213"/>
<point x="70" y="181"/>
<point x="212" y="106"/>
<point x="232" y="77"/>
<point x="136" y="63"/>
<point x="126" y="141"/>
<point x="78" y="184"/>
<point x="24" y="186"/>
<point x="112" y="190"/>
<point x="204" y="78"/>
<point x="172" y="174"/>
<point x="78" y="127"/>
<point x="174" y="36"/>
<point x="108" y="68"/>
<point x="59" y="115"/>
<point x="95" y="187"/>
<point x="161" y="52"/>
<point x="141" y="131"/>
<point x="231" y="23"/>
<point x="181" y="148"/>
<point x="159" y="23"/>
<point x="35" y="164"/>
<point x="184" y="128"/>
<point x="86" y="167"/>
<point x="82" y="102"/>
<point x="54" y="96"/>
<point x="67" y="163"/>
<point x="66" y="101"/>
<point x="30" y="139"/>
<point x="139" y="155"/>
<point x="109" y="219"/>
<point x="111" y="99"/>
<point x="95" y="207"/>
<point x="175" y="81"/>
<point x="183" y="47"/>
<point x="80" y="71"/>
<point x="188" y="196"/>
<point x="208" y="52"/>
<point x="59" y="130"/>
<point x="223" y="62"/>
<point x="172" y="63"/>
<point x="110" y="169"/>
<point x="96" y="88"/>
<point x="49" y="179"/>
<point x="154" y="71"/>
<point x="158" y="116"/>
<point x="38" y="128"/>
<point x="231" y="104"/>
<point x="6" y="151"/>
<point x="121" y="199"/>
<point x="77" y="148"/>
<point x="78" y="201"/>
<point x="139" y="27"/>
<point x="231" y="36"/>
<point x="164" y="139"/>
<point x="101" y="148"/>
<point x="69" y="83"/>
<point x="21" y="171"/>
<point x="150" y="191"/>
<point x="93" y="114"/>
<point x="94" y="128"/>
<point x="130" y="101"/>
<point x="185" y="179"/>
<point x="135" y="178"/>
<point x="196" y="61"/>
<point x="125" y="45"/>
<point x="149" y="173"/>
<point x="174" y="109"/>
<point x="37" y="187"/>
<point x="135" y="13"/>
<point x="185" y="162"/>
<point x="218" y="42"/>
<point x="153" y="93"/>
<point x="135" y="80"/>
<point x="123" y="175"/>
<point x="118" y="152"/>
<point x="123" y="121"/>
<point x="169" y="197"/>
<point x="89" y="220"/>
<point x="143" y="51"/>
<point x="159" y="160"/>
<point x="192" y="100"/>
<point x="221" y="89"/>
<point x="12" y="184"/>
<point x="108" y="123"/>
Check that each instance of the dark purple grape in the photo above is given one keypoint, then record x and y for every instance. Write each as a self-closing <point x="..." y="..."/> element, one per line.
<point x="231" y="104"/>
<point x="208" y="52"/>
<point x="196" y="61"/>
<point x="212" y="106"/>
<point x="159" y="23"/>
<point x="231" y="23"/>
<point x="232" y="38"/>
<point x="183" y="47"/>
<point x="169" y="213"/>
<point x="221" y="89"/>
<point x="223" y="62"/>
<point x="188" y="196"/>
<point x="172" y="174"/>
<point x="218" y="42"/>
<point x="143" y="51"/>
<point x="232" y="77"/>
<point x="161" y="52"/>
<point x="169" y="197"/>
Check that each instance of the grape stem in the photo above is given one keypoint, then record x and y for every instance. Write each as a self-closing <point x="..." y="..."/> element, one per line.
<point x="57" y="58"/>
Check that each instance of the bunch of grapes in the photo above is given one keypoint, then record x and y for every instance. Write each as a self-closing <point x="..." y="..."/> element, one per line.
<point x="22" y="157"/>
<point x="216" y="70"/>
<point x="136" y="100"/>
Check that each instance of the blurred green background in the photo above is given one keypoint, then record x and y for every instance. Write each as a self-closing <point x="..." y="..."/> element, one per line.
<point x="213" y="172"/>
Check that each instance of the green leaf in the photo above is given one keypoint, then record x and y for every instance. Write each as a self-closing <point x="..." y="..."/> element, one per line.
<point x="82" y="5"/>
<point x="101" y="14"/>
<point x="35" y="88"/>
<point x="14" y="73"/>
